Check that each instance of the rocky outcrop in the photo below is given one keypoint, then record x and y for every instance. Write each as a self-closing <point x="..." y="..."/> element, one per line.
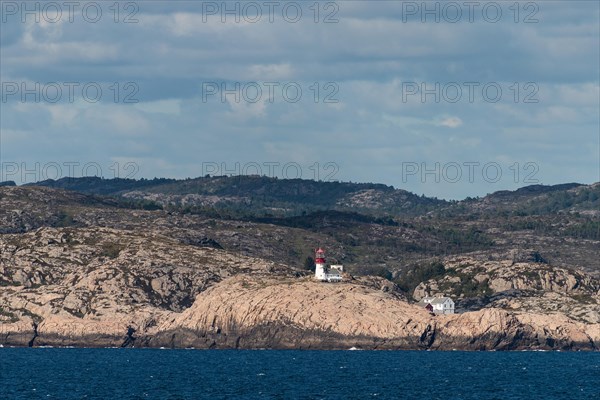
<point x="111" y="288"/>
<point x="516" y="286"/>
<point x="266" y="313"/>
<point x="284" y="310"/>
<point x="89" y="286"/>
<point x="288" y="312"/>
<point x="111" y="277"/>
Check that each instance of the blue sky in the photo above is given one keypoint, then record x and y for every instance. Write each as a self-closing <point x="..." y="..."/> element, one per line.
<point x="366" y="68"/>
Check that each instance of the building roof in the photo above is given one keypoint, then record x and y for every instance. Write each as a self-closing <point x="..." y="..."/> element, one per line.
<point x="434" y="300"/>
<point x="441" y="300"/>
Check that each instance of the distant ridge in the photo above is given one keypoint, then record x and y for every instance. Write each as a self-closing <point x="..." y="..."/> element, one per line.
<point x="261" y="196"/>
<point x="536" y="189"/>
<point x="97" y="185"/>
<point x="376" y="228"/>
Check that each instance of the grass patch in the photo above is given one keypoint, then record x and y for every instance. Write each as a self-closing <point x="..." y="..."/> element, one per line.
<point x="531" y="275"/>
<point x="64" y="219"/>
<point x="35" y="317"/>
<point x="584" y="298"/>
<point x="111" y="250"/>
<point x="8" y="314"/>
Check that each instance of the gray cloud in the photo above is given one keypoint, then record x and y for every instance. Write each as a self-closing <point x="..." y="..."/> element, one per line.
<point x="371" y="129"/>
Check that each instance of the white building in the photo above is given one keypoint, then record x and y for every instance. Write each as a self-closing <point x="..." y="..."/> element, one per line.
<point x="439" y="305"/>
<point x="324" y="273"/>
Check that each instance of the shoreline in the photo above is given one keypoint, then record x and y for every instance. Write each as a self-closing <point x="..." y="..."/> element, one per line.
<point x="218" y="349"/>
<point x="307" y="341"/>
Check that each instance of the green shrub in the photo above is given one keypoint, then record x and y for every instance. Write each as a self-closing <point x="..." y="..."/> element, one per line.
<point x="411" y="278"/>
<point x="309" y="264"/>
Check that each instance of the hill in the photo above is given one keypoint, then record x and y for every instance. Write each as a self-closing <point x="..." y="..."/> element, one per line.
<point x="559" y="222"/>
<point x="255" y="195"/>
<point x="109" y="270"/>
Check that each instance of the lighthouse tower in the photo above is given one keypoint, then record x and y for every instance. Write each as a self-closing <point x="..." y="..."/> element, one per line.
<point x="320" y="264"/>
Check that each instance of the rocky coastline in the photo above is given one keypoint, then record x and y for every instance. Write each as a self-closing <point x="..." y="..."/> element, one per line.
<point x="261" y="312"/>
<point x="104" y="276"/>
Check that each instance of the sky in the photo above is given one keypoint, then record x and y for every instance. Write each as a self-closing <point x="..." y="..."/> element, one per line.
<point x="446" y="99"/>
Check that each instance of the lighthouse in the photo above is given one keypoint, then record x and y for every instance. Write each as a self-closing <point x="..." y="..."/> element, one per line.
<point x="320" y="265"/>
<point x="326" y="274"/>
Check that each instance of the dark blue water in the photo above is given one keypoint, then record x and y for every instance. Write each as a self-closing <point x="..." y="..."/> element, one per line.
<point x="197" y="374"/>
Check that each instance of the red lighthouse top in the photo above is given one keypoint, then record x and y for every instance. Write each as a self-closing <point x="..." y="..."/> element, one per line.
<point x="320" y="256"/>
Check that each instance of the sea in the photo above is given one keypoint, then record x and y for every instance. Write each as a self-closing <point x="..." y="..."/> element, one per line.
<point x="65" y="373"/>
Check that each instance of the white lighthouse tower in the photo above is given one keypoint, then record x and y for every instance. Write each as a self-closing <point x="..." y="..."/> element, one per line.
<point x="320" y="273"/>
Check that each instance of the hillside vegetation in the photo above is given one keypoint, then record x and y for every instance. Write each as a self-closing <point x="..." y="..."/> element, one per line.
<point x="369" y="227"/>
<point x="143" y="265"/>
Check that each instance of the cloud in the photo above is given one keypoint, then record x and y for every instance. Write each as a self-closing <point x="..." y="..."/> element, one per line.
<point x="271" y="72"/>
<point x="450" y="122"/>
<point x="244" y="110"/>
<point x="169" y="106"/>
<point x="368" y="55"/>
